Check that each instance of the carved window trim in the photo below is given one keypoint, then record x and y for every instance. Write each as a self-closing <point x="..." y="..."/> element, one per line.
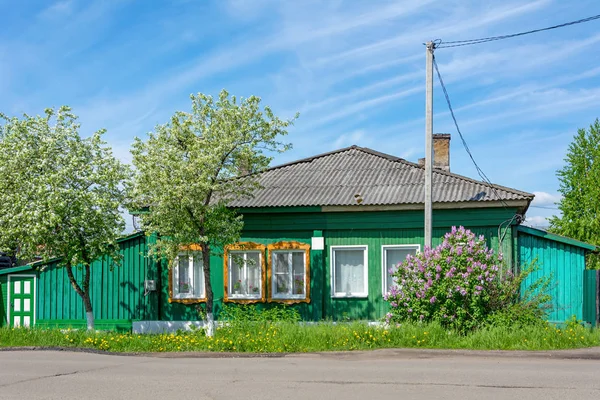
<point x="282" y="246"/>
<point x="195" y="250"/>
<point x="241" y="247"/>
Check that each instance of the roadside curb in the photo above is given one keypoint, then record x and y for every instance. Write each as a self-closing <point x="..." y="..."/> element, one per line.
<point x="591" y="353"/>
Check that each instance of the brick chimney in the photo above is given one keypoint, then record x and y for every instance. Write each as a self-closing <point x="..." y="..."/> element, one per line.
<point x="441" y="151"/>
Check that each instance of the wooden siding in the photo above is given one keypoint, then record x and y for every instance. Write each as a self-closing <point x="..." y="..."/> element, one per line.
<point x="3" y="300"/>
<point x="322" y="305"/>
<point x="374" y="307"/>
<point x="379" y="220"/>
<point x="183" y="312"/>
<point x="590" y="296"/>
<point x="565" y="264"/>
<point x="118" y="298"/>
<point x="117" y="292"/>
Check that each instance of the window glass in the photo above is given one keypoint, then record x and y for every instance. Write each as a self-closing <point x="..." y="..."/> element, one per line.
<point x="289" y="273"/>
<point x="298" y="272"/>
<point x="349" y="271"/>
<point x="198" y="276"/>
<point x="245" y="274"/>
<point x="188" y="276"/>
<point x="394" y="256"/>
<point x="184" y="275"/>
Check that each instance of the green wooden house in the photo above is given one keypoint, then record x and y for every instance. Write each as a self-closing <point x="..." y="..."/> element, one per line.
<point x="319" y="236"/>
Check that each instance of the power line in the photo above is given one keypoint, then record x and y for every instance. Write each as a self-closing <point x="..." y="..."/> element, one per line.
<point x="545" y="207"/>
<point x="458" y="43"/>
<point x="464" y="142"/>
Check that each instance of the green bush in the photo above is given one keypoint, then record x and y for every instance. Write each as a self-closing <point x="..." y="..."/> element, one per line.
<point x="250" y="313"/>
<point x="511" y="307"/>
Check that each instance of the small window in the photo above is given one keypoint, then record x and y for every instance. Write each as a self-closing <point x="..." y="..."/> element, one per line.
<point x="289" y="271"/>
<point x="187" y="276"/>
<point x="392" y="256"/>
<point x="349" y="271"/>
<point x="245" y="271"/>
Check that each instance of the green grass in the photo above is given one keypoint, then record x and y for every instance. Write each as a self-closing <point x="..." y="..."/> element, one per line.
<point x="265" y="337"/>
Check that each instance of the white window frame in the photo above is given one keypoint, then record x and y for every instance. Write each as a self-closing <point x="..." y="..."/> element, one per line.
<point x="344" y="295"/>
<point x="230" y="266"/>
<point x="384" y="283"/>
<point x="291" y="296"/>
<point x="175" y="276"/>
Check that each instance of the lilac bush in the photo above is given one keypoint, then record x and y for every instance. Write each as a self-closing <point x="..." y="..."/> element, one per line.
<point x="452" y="283"/>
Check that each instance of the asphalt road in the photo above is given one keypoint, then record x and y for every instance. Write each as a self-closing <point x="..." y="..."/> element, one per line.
<point x="365" y="376"/>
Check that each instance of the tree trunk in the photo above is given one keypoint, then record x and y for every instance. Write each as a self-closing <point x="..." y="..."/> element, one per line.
<point x="84" y="293"/>
<point x="210" y="321"/>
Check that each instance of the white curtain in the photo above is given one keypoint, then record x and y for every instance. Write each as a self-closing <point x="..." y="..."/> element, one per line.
<point x="393" y="257"/>
<point x="198" y="276"/>
<point x="254" y="270"/>
<point x="184" y="283"/>
<point x="298" y="273"/>
<point x="281" y="273"/>
<point x="349" y="271"/>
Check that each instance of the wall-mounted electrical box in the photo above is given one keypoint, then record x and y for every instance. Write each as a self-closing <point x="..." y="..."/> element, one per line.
<point x="150" y="285"/>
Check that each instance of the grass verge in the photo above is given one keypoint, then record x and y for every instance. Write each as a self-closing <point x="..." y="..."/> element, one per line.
<point x="265" y="337"/>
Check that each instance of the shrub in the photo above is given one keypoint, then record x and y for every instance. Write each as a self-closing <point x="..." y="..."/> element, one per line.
<point x="457" y="285"/>
<point x="250" y="313"/>
<point x="511" y="307"/>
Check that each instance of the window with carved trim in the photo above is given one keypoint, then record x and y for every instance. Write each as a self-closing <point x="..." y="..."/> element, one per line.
<point x="187" y="276"/>
<point x="288" y="274"/>
<point x="245" y="274"/>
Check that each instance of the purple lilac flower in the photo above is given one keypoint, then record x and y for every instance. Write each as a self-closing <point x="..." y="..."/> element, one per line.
<point x="432" y="300"/>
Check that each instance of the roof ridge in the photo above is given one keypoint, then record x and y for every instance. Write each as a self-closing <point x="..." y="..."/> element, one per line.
<point x="311" y="158"/>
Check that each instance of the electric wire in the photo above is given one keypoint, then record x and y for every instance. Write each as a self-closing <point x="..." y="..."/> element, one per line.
<point x="458" y="43"/>
<point x="545" y="207"/>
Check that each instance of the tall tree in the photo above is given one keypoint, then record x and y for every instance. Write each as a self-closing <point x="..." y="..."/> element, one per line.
<point x="186" y="174"/>
<point x="60" y="195"/>
<point x="580" y="189"/>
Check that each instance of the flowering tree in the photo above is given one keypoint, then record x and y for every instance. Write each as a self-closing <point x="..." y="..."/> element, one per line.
<point x="59" y="195"/>
<point x="186" y="174"/>
<point x="452" y="283"/>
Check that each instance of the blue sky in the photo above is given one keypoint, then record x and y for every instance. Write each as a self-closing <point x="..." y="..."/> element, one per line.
<point x="353" y="69"/>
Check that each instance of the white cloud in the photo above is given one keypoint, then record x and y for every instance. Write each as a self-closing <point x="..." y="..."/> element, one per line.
<point x="58" y="10"/>
<point x="544" y="199"/>
<point x="348" y="139"/>
<point x="536" y="221"/>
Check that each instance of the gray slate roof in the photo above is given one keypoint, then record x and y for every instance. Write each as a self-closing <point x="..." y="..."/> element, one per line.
<point x="335" y="178"/>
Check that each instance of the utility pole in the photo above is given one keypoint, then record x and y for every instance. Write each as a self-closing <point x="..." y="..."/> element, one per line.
<point x="428" y="142"/>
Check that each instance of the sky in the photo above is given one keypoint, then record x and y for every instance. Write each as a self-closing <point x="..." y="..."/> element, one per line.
<point x="353" y="69"/>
